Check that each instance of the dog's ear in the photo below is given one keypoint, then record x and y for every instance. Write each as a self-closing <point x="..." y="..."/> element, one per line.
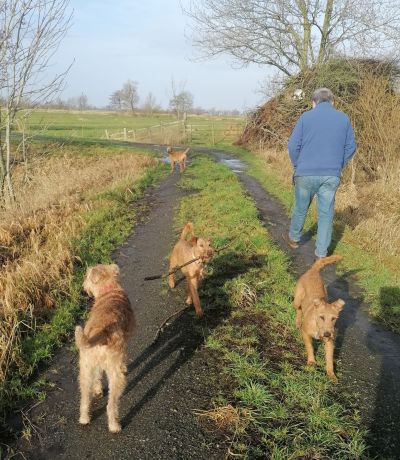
<point x="193" y="241"/>
<point x="115" y="269"/>
<point x="317" y="303"/>
<point x="339" y="304"/>
<point x="95" y="274"/>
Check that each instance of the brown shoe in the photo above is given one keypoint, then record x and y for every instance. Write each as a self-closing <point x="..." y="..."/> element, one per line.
<point x="291" y="243"/>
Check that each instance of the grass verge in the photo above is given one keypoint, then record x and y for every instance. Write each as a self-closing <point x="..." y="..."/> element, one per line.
<point x="270" y="404"/>
<point x="378" y="276"/>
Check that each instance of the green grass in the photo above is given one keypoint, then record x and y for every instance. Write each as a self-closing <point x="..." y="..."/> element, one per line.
<point x="92" y="125"/>
<point x="284" y="409"/>
<point x="380" y="282"/>
<point x="106" y="225"/>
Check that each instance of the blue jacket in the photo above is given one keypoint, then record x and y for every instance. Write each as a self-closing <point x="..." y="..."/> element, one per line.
<point x="322" y="142"/>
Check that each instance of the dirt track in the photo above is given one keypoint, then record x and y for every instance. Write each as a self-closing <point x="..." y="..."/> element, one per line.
<point x="167" y="381"/>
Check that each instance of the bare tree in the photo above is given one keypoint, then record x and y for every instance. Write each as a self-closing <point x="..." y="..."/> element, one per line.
<point x="150" y="104"/>
<point x="116" y="100"/>
<point x="83" y="102"/>
<point x="294" y="35"/>
<point x="181" y="101"/>
<point x="31" y="31"/>
<point x="129" y="95"/>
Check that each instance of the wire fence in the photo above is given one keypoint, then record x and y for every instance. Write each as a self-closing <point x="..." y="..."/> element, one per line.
<point x="181" y="132"/>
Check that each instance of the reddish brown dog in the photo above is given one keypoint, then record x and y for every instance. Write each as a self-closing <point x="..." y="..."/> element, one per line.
<point x="310" y="301"/>
<point x="183" y="252"/>
<point x="177" y="156"/>
<point x="102" y="342"/>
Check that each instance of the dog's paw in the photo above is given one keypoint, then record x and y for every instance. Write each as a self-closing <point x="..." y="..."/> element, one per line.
<point x="332" y="377"/>
<point x="199" y="313"/>
<point x="114" y="427"/>
<point x="311" y="362"/>
<point x="84" y="420"/>
<point x="97" y="392"/>
<point x="299" y="323"/>
<point x="189" y="301"/>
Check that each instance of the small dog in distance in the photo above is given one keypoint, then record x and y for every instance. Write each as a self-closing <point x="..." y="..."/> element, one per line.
<point x="177" y="156"/>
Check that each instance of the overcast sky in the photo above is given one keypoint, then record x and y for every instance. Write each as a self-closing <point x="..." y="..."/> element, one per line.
<point x="115" y="40"/>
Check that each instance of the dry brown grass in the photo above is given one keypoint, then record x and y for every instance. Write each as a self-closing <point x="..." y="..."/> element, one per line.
<point x="36" y="254"/>
<point x="226" y="418"/>
<point x="368" y="210"/>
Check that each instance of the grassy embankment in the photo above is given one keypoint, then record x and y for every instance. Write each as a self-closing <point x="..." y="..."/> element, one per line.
<point x="76" y="205"/>
<point x="270" y="404"/>
<point x="365" y="237"/>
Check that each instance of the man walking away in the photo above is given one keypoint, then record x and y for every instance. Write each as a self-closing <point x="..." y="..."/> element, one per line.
<point x="320" y="146"/>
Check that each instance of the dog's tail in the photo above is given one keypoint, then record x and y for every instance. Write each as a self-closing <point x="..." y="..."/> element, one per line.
<point x="187" y="151"/>
<point x="321" y="263"/>
<point x="188" y="228"/>
<point x="98" y="336"/>
<point x="80" y="338"/>
<point x="169" y="149"/>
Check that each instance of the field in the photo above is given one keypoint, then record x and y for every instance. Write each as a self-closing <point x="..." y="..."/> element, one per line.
<point x="161" y="128"/>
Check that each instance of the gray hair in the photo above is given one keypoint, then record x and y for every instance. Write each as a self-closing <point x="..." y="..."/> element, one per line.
<point x="322" y="95"/>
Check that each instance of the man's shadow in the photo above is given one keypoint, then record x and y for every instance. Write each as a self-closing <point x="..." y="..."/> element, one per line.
<point x="338" y="288"/>
<point x="185" y="334"/>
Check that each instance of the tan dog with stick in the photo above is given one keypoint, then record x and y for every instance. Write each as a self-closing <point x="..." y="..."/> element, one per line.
<point x="102" y="342"/>
<point x="183" y="252"/>
<point x="177" y="156"/>
<point x="310" y="301"/>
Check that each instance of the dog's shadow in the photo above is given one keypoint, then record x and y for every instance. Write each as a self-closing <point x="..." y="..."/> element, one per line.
<point x="184" y="335"/>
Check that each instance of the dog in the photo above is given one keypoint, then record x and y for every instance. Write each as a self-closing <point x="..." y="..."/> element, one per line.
<point x="177" y="156"/>
<point x="183" y="252"/>
<point x="310" y="301"/>
<point x="102" y="342"/>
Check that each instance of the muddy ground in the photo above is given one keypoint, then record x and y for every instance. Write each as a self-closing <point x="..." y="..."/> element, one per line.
<point x="168" y="380"/>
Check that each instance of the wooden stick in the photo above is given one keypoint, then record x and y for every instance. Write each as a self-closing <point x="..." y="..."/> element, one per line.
<point x="157" y="277"/>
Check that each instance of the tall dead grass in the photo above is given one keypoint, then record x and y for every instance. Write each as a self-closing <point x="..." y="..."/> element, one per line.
<point x="369" y="211"/>
<point x="36" y="253"/>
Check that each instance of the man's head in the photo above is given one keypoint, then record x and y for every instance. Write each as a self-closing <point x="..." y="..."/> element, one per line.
<point x="322" y="95"/>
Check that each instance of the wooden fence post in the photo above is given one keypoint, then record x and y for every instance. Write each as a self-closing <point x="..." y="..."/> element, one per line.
<point x="125" y="134"/>
<point x="212" y="133"/>
<point x="107" y="136"/>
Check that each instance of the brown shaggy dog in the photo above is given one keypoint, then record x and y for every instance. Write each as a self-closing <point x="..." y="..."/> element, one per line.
<point x="102" y="342"/>
<point x="177" y="156"/>
<point x="182" y="253"/>
<point x="310" y="300"/>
